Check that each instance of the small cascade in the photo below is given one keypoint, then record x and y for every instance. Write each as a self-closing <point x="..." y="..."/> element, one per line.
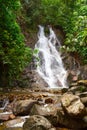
<point x="4" y="104"/>
<point x="50" y="66"/>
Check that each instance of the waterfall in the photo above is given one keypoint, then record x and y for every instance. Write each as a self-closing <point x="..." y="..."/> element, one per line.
<point x="50" y="66"/>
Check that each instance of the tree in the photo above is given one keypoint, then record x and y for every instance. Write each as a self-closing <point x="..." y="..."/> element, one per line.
<point x="14" y="55"/>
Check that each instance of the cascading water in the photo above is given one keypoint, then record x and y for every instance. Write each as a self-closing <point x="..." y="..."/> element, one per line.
<point x="50" y="66"/>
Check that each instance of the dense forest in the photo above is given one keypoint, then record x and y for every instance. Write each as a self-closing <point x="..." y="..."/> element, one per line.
<point x="15" y="55"/>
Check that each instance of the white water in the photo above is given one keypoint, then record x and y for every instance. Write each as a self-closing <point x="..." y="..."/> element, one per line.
<point x="50" y="66"/>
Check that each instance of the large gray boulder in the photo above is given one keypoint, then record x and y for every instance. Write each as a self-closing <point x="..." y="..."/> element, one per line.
<point x="37" y="122"/>
<point x="72" y="105"/>
<point x="22" y="107"/>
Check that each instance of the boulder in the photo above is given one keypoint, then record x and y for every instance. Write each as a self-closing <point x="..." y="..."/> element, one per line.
<point x="37" y="122"/>
<point x="14" y="122"/>
<point x="62" y="119"/>
<point x="44" y="110"/>
<point x="22" y="107"/>
<point x="6" y="116"/>
<point x="72" y="105"/>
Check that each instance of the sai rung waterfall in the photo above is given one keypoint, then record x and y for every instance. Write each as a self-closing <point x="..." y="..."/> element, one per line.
<point x="50" y="66"/>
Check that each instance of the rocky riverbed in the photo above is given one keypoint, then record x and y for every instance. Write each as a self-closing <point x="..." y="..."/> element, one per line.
<point x="44" y="109"/>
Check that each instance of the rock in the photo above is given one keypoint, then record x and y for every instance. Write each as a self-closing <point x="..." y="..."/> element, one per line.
<point x="6" y="116"/>
<point x="72" y="105"/>
<point x="52" y="129"/>
<point x="83" y="72"/>
<point x="13" y="128"/>
<point x="14" y="122"/>
<point x="70" y="122"/>
<point x="83" y="94"/>
<point x="30" y="78"/>
<point x="49" y="100"/>
<point x="37" y="122"/>
<point x="75" y="89"/>
<point x="22" y="107"/>
<point x="82" y="82"/>
<point x="84" y="101"/>
<point x="44" y="110"/>
<point x="12" y="116"/>
<point x="75" y="78"/>
<point x="62" y="119"/>
<point x="83" y="97"/>
<point x="85" y="119"/>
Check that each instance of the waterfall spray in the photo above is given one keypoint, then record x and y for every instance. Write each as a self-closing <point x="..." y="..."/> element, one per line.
<point x="50" y="66"/>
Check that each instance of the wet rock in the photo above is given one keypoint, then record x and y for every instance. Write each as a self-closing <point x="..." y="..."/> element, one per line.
<point x="37" y="122"/>
<point x="22" y="107"/>
<point x="6" y="116"/>
<point x="72" y="105"/>
<point x="44" y="110"/>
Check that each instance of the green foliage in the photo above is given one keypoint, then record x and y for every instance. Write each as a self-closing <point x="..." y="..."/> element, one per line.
<point x="14" y="55"/>
<point x="76" y="37"/>
<point x="71" y="15"/>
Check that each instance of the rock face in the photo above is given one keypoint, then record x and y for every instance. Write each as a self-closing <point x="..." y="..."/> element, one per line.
<point x="73" y="105"/>
<point x="37" y="122"/>
<point x="30" y="78"/>
<point x="22" y="107"/>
